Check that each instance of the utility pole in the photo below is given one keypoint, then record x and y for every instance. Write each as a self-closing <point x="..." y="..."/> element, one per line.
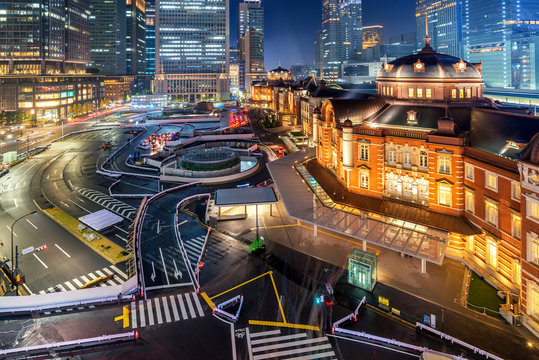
<point x="14" y="270"/>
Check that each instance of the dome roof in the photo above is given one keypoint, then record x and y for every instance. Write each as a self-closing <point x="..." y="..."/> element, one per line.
<point x="428" y="64"/>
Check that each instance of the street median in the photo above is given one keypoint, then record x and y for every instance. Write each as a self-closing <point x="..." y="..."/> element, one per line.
<point x="97" y="242"/>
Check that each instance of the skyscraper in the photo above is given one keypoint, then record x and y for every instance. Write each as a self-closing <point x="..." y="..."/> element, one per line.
<point x="192" y="48"/>
<point x="108" y="36"/>
<point x="136" y="37"/>
<point x="44" y="50"/>
<point x="49" y="39"/>
<point x="373" y="36"/>
<point x="503" y="35"/>
<point x="150" y="37"/>
<point x="250" y="42"/>
<point x="340" y="37"/>
<point x="444" y="22"/>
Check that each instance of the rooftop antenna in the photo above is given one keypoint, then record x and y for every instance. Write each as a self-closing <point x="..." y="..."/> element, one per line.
<point x="427" y="38"/>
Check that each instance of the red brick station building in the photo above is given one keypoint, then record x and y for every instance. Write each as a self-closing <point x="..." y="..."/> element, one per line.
<point x="430" y="149"/>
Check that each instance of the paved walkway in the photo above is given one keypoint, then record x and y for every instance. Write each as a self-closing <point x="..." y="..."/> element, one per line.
<point x="400" y="280"/>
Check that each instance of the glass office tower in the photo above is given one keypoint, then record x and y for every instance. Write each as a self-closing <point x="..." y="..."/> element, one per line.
<point x="340" y="35"/>
<point x="150" y="37"/>
<point x="445" y="25"/>
<point x="502" y="34"/>
<point x="136" y="37"/>
<point x="108" y="28"/>
<point x="250" y="42"/>
<point x="192" y="49"/>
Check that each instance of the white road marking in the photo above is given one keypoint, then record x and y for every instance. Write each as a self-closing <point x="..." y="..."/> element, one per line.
<point x="69" y="285"/>
<point x="42" y="263"/>
<point x="141" y="311"/>
<point x="279" y="338"/>
<point x="88" y="211"/>
<point x="29" y="222"/>
<point x="150" y="312"/>
<point x="80" y="199"/>
<point x="77" y="282"/>
<point x="174" y="308"/>
<point x="233" y="342"/>
<point x="133" y="315"/>
<point x="183" y="222"/>
<point x="119" y="271"/>
<point x="85" y="279"/>
<point x="190" y="306"/>
<point x="70" y="183"/>
<point x="197" y="303"/>
<point x="265" y="333"/>
<point x="121" y="238"/>
<point x="164" y="267"/>
<point x="100" y="273"/>
<point x="119" y="228"/>
<point x="92" y="276"/>
<point x="182" y="307"/>
<point x="27" y="289"/>
<point x="166" y="309"/>
<point x="15" y="202"/>
<point x="63" y="203"/>
<point x="289" y="344"/>
<point x="158" y="311"/>
<point x="9" y="229"/>
<point x="56" y="185"/>
<point x="62" y="250"/>
<point x="107" y="271"/>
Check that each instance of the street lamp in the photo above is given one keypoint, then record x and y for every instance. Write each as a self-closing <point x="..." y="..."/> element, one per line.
<point x="14" y="270"/>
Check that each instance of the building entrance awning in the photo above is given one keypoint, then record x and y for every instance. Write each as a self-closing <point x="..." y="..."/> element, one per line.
<point x="296" y="190"/>
<point x="101" y="219"/>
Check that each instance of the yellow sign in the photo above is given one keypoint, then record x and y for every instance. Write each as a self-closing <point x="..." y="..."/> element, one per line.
<point x="395" y="311"/>
<point x="383" y="301"/>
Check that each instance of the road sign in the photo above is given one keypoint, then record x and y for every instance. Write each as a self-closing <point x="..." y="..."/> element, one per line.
<point x="383" y="301"/>
<point x="426" y="320"/>
<point x="433" y="321"/>
<point x="27" y="250"/>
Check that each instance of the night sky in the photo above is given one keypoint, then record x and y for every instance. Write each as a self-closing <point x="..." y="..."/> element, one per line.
<point x="291" y="25"/>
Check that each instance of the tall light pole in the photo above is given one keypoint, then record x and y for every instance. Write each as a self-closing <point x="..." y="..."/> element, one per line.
<point x="13" y="270"/>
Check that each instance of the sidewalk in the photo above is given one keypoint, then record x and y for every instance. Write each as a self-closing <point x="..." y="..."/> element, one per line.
<point x="400" y="280"/>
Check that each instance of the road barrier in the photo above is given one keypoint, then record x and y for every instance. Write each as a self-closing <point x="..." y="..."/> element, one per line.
<point x="67" y="299"/>
<point x="349" y="317"/>
<point x="126" y="196"/>
<point x="67" y="347"/>
<point x="220" y="308"/>
<point x="453" y="340"/>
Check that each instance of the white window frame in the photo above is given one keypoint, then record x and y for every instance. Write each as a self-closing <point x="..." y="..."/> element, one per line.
<point x="492" y="253"/>
<point x="445" y="194"/>
<point x="516" y="225"/>
<point x="444" y="164"/>
<point x="488" y="185"/>
<point x="392" y="155"/>
<point x="532" y="248"/>
<point x="515" y="190"/>
<point x="363" y="152"/>
<point x="469" y="171"/>
<point x="364" y="179"/>
<point x="407" y="157"/>
<point x="423" y="158"/>
<point x="532" y="209"/>
<point x="533" y="291"/>
<point x="488" y="214"/>
<point x="469" y="201"/>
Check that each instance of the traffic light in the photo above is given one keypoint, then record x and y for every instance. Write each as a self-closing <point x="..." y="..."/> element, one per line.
<point x="319" y="299"/>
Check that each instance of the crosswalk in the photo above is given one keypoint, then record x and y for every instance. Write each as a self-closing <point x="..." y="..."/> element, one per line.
<point x="194" y="246"/>
<point x="165" y="309"/>
<point x="110" y="203"/>
<point x="119" y="278"/>
<point x="272" y="345"/>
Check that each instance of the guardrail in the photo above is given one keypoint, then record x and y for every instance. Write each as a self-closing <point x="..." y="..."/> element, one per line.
<point x="192" y="273"/>
<point x="464" y="344"/>
<point x="349" y="317"/>
<point x="143" y="210"/>
<point x="126" y="196"/>
<point x="220" y="308"/>
<point x="66" y="347"/>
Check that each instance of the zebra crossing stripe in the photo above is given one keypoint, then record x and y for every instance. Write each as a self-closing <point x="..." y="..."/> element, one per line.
<point x="174" y="308"/>
<point x="85" y="279"/>
<point x="134" y="315"/>
<point x="77" y="282"/>
<point x="99" y="273"/>
<point x="265" y="333"/>
<point x="62" y="288"/>
<point x="141" y="311"/>
<point x="326" y="354"/>
<point x="119" y="271"/>
<point x="182" y="307"/>
<point x="91" y="275"/>
<point x="150" y="312"/>
<point x="291" y="352"/>
<point x="158" y="311"/>
<point x="289" y="344"/>
<point x="190" y="306"/>
<point x="70" y="286"/>
<point x="166" y="309"/>
<point x="108" y="271"/>
<point x="279" y="338"/>
<point x="197" y="303"/>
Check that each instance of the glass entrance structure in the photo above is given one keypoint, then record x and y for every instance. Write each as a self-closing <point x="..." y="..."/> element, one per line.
<point x="362" y="269"/>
